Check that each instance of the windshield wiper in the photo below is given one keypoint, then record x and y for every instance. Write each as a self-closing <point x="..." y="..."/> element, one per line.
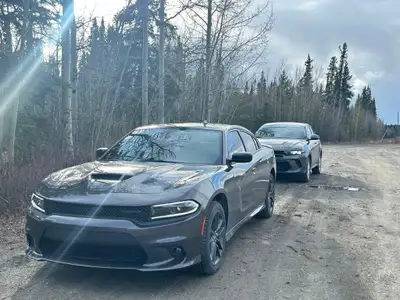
<point x="155" y="160"/>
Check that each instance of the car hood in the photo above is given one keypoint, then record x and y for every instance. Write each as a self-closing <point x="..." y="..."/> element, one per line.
<point x="123" y="177"/>
<point x="284" y="144"/>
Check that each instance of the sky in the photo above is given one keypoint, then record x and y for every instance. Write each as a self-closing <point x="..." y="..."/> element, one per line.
<point x="371" y="28"/>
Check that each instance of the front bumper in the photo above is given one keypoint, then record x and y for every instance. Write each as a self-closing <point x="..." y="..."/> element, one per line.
<point x="116" y="244"/>
<point x="291" y="164"/>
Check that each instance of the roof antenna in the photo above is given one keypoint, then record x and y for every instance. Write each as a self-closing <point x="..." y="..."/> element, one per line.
<point x="205" y="123"/>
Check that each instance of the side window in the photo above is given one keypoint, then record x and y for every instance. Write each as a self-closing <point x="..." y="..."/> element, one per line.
<point x="309" y="132"/>
<point x="248" y="142"/>
<point x="257" y="144"/>
<point x="234" y="143"/>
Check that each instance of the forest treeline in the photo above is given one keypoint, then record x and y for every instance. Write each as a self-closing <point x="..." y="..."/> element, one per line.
<point x="98" y="80"/>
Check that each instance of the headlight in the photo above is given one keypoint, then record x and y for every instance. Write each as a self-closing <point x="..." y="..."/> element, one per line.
<point x="175" y="209"/>
<point x="37" y="202"/>
<point x="296" y="152"/>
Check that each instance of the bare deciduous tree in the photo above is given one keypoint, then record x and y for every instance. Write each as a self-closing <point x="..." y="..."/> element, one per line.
<point x="66" y="76"/>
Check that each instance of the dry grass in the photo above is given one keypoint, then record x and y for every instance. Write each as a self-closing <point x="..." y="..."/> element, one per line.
<point x="19" y="180"/>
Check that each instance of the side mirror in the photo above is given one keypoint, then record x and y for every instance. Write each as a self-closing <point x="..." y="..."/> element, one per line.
<point x="241" y="157"/>
<point x="100" y="152"/>
<point x="314" y="137"/>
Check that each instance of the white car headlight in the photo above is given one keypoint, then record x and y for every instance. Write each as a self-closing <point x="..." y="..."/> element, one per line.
<point x="37" y="202"/>
<point x="296" y="152"/>
<point x="174" y="209"/>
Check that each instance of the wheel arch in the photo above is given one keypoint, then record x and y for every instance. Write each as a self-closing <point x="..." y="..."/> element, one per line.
<point x="222" y="199"/>
<point x="273" y="172"/>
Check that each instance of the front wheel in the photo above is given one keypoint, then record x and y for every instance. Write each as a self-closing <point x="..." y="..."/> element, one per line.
<point x="268" y="210"/>
<point x="214" y="240"/>
<point x="318" y="169"/>
<point x="306" y="175"/>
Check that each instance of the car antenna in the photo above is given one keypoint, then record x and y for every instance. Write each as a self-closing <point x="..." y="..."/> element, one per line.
<point x="205" y="123"/>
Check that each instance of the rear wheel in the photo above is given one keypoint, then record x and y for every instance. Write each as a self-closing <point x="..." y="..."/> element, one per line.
<point x="214" y="240"/>
<point x="268" y="210"/>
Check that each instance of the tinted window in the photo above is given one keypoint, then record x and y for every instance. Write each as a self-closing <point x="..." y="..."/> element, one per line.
<point x="234" y="143"/>
<point x="248" y="142"/>
<point x="180" y="145"/>
<point x="282" y="132"/>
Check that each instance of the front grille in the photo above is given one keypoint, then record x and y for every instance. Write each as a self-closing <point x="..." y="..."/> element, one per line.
<point x="138" y="214"/>
<point x="59" y="250"/>
<point x="283" y="166"/>
<point x="279" y="153"/>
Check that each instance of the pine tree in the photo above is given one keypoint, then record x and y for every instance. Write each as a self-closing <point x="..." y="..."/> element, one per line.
<point x="306" y="81"/>
<point x="346" y="94"/>
<point x="339" y="102"/>
<point x="285" y="97"/>
<point x="366" y="98"/>
<point x="330" y="81"/>
<point x="372" y="108"/>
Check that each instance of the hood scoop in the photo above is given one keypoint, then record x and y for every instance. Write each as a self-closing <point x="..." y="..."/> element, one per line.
<point x="109" y="177"/>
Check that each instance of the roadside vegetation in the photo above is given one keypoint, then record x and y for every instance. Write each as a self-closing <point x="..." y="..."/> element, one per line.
<point x="98" y="80"/>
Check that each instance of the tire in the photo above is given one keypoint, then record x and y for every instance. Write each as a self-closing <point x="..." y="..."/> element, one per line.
<point x="211" y="264"/>
<point x="318" y="169"/>
<point x="268" y="210"/>
<point x="305" y="176"/>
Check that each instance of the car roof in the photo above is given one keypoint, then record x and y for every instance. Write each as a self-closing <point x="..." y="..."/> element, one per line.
<point x="287" y="123"/>
<point x="207" y="126"/>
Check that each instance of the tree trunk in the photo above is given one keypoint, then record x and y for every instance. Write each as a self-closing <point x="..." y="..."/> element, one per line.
<point x="202" y="93"/>
<point x="15" y="105"/>
<point x="66" y="78"/>
<point x="74" y="74"/>
<point x="1" y="122"/>
<point x="208" y="62"/>
<point x="161" y="63"/>
<point x="145" y="62"/>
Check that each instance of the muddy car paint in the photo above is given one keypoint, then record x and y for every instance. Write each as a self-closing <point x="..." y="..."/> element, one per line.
<point x="103" y="205"/>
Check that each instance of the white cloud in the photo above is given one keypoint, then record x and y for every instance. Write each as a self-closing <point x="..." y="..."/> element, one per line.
<point x="373" y="75"/>
<point x="103" y="8"/>
<point x="309" y="5"/>
<point x="370" y="27"/>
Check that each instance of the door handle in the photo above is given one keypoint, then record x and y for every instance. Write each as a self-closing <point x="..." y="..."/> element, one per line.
<point x="254" y="170"/>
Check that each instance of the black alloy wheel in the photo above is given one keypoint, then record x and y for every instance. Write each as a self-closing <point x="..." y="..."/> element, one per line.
<point x="306" y="175"/>
<point x="318" y="169"/>
<point x="268" y="210"/>
<point x="214" y="239"/>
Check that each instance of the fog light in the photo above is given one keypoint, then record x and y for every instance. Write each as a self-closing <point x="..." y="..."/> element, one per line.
<point x="177" y="252"/>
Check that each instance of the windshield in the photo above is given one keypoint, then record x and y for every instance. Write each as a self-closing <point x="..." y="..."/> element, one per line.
<point x="282" y="132"/>
<point x="175" y="145"/>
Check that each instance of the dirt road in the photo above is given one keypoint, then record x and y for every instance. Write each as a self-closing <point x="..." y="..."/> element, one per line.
<point x="324" y="242"/>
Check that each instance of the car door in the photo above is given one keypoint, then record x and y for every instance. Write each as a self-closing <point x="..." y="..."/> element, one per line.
<point x="259" y="174"/>
<point x="242" y="175"/>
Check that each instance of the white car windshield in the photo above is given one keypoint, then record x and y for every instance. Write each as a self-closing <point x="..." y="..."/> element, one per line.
<point x="282" y="132"/>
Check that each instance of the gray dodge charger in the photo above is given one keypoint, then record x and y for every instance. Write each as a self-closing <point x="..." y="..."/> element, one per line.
<point x="163" y="197"/>
<point x="298" y="149"/>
